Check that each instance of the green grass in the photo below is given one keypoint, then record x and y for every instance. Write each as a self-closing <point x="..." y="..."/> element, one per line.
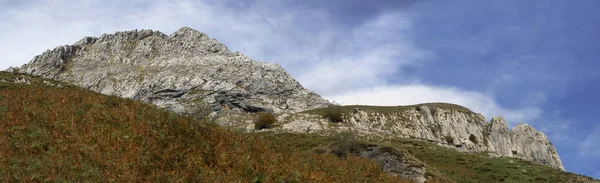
<point x="443" y="164"/>
<point x="479" y="167"/>
<point x="35" y="81"/>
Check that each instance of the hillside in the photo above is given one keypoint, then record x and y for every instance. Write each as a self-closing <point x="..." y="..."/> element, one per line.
<point x="191" y="75"/>
<point x="48" y="129"/>
<point x="72" y="134"/>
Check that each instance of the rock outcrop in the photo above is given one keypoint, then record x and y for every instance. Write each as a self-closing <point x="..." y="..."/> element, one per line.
<point x="533" y="145"/>
<point x="174" y="72"/>
<point x="447" y="125"/>
<point x="497" y="130"/>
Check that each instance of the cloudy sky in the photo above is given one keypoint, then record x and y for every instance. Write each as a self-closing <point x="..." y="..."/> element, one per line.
<point x="530" y="61"/>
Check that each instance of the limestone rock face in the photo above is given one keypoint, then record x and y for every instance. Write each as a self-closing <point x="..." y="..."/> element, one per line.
<point x="174" y="72"/>
<point x="447" y="125"/>
<point x="499" y="136"/>
<point x="531" y="144"/>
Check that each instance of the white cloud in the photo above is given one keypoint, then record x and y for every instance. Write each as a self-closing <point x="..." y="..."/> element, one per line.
<point x="417" y="93"/>
<point x="323" y="55"/>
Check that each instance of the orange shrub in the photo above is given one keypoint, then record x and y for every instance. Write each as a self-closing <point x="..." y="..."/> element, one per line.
<point x="264" y="120"/>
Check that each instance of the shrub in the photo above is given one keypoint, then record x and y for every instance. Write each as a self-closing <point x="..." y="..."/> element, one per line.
<point x="346" y="142"/>
<point x="334" y="113"/>
<point x="264" y="120"/>
<point x="473" y="139"/>
<point x="449" y="139"/>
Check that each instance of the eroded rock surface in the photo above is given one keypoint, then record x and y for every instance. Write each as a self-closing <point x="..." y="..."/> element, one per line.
<point x="174" y="72"/>
<point x="533" y="145"/>
<point x="447" y="125"/>
<point x="499" y="136"/>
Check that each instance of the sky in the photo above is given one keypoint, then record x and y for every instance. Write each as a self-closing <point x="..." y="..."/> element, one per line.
<point x="529" y="61"/>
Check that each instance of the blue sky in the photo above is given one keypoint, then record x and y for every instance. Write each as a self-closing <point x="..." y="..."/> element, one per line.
<point x="530" y="61"/>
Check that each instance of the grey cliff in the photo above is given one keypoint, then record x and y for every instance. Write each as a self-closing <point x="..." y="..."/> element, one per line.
<point x="178" y="72"/>
<point x="447" y="125"/>
<point x="531" y="144"/>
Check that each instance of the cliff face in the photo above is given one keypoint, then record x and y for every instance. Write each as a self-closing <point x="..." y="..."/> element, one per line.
<point x="531" y="144"/>
<point x="171" y="71"/>
<point x="499" y="136"/>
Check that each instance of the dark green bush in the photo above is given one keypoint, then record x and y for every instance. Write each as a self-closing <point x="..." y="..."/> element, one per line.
<point x="449" y="139"/>
<point x="264" y="120"/>
<point x="334" y="113"/>
<point x="473" y="139"/>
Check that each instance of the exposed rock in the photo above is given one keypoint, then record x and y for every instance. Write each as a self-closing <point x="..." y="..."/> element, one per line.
<point x="15" y="79"/>
<point x="533" y="145"/>
<point x="393" y="163"/>
<point x="499" y="136"/>
<point x="173" y="71"/>
<point x="447" y="125"/>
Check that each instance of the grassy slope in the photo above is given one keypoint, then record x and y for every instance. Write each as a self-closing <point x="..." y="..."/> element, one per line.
<point x="70" y="134"/>
<point x="449" y="165"/>
<point x="35" y="81"/>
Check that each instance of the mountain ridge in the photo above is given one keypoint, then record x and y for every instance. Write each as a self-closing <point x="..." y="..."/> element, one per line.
<point x="164" y="69"/>
<point x="188" y="69"/>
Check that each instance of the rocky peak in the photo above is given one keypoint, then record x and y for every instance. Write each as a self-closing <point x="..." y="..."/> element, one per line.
<point x="497" y="130"/>
<point x="174" y="72"/>
<point x="531" y="144"/>
<point x="188" y="32"/>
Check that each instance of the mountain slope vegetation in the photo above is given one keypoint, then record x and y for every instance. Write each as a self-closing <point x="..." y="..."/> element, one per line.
<point x="72" y="134"/>
<point x="67" y="133"/>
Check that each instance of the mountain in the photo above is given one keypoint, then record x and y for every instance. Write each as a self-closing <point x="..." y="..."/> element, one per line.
<point x="54" y="131"/>
<point x="188" y="69"/>
<point x="170" y="71"/>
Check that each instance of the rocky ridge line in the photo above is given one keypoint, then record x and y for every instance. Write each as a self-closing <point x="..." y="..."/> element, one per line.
<point x="179" y="72"/>
<point x="443" y="124"/>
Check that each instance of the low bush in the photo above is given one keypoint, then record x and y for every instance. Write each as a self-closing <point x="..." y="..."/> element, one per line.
<point x="449" y="139"/>
<point x="264" y="120"/>
<point x="346" y="143"/>
<point x="334" y="113"/>
<point x="473" y="139"/>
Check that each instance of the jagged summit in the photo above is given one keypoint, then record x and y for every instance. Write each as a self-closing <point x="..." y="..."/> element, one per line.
<point x="534" y="145"/>
<point x="170" y="71"/>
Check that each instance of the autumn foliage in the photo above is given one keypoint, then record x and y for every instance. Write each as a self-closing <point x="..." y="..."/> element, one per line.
<point x="73" y="135"/>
